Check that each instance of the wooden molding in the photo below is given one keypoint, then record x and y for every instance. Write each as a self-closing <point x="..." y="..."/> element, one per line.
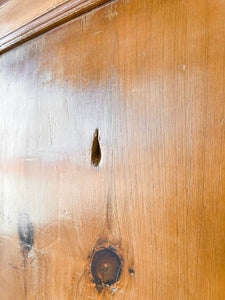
<point x="2" y="2"/>
<point x="47" y="21"/>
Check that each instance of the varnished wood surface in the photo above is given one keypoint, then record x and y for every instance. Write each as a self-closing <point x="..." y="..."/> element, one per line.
<point x="149" y="75"/>
<point x="31" y="23"/>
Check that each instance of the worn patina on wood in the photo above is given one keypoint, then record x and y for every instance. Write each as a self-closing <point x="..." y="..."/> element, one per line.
<point x="149" y="76"/>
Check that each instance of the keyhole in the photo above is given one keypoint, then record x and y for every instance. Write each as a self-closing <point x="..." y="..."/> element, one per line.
<point x="96" y="150"/>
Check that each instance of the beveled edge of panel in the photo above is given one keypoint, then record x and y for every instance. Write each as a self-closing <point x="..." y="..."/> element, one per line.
<point x="47" y="21"/>
<point x="3" y="2"/>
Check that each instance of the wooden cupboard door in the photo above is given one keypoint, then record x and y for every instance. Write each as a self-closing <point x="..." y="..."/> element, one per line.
<point x="112" y="156"/>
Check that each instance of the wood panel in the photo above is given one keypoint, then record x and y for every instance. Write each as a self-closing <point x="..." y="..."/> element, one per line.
<point x="149" y="75"/>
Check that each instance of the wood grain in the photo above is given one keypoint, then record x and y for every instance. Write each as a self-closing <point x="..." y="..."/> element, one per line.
<point x="149" y="75"/>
